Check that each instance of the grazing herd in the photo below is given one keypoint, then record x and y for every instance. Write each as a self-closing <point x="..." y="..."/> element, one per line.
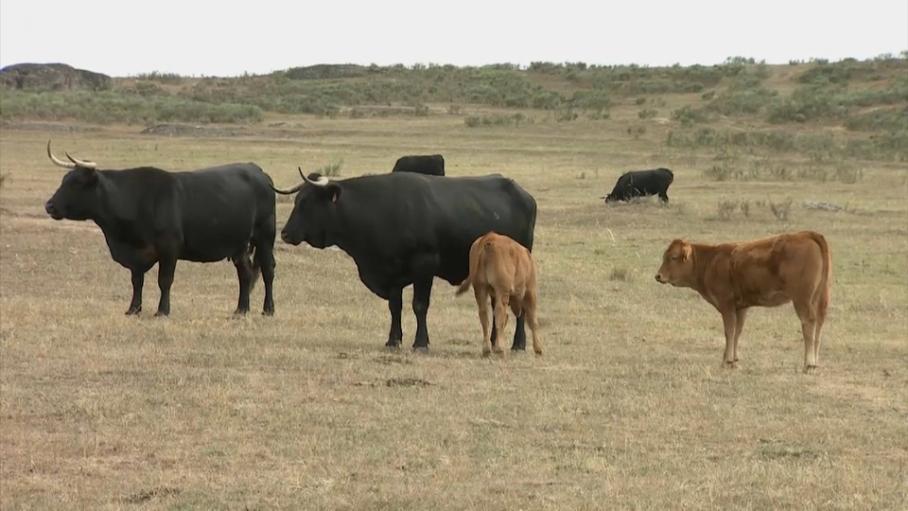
<point x="406" y="228"/>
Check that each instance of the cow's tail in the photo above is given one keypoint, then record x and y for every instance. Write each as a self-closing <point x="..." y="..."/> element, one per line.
<point x="476" y="250"/>
<point x="256" y="267"/>
<point x="826" y="279"/>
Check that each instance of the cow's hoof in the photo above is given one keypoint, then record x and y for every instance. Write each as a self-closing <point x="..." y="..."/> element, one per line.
<point x="809" y="369"/>
<point x="268" y="312"/>
<point x="133" y="311"/>
<point x="486" y="353"/>
<point x="240" y="313"/>
<point x="421" y="349"/>
<point x="161" y="314"/>
<point x="730" y="364"/>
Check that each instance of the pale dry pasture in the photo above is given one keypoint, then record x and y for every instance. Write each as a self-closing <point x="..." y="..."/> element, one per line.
<point x="628" y="408"/>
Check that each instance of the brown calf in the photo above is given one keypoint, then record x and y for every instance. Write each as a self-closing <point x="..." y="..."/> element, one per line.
<point x="502" y="269"/>
<point x="793" y="267"/>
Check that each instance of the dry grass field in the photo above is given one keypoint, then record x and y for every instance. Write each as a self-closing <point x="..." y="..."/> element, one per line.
<point x="629" y="407"/>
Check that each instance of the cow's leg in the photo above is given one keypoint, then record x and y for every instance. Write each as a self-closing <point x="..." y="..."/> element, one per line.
<point x="482" y="303"/>
<point x="822" y="305"/>
<point x="264" y="259"/>
<point x="244" y="275"/>
<point x="808" y="329"/>
<point x="663" y="196"/>
<point x="729" y="321"/>
<point x="395" y="304"/>
<point x="138" y="281"/>
<point x="422" y="290"/>
<point x="529" y="311"/>
<point x="739" y="326"/>
<point x="494" y="335"/>
<point x="501" y="315"/>
<point x="807" y="315"/>
<point x="520" y="335"/>
<point x="166" y="268"/>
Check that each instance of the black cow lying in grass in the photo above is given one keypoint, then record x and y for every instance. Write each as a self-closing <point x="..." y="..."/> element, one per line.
<point x="642" y="183"/>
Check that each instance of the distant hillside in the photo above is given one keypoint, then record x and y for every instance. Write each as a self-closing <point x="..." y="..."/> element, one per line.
<point x="52" y="77"/>
<point x="868" y="96"/>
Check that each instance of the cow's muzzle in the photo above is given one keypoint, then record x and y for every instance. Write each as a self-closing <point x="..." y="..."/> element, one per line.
<point x="287" y="238"/>
<point x="52" y="211"/>
<point x="659" y="278"/>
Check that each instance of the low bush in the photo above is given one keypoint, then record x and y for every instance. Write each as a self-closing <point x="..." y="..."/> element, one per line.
<point x="688" y="115"/>
<point x="485" y="121"/>
<point x="110" y="107"/>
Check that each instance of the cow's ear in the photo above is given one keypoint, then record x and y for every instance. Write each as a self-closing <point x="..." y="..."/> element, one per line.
<point x="89" y="174"/>
<point x="334" y="190"/>
<point x="686" y="251"/>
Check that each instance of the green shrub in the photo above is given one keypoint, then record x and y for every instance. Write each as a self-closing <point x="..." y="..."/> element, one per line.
<point x="591" y="100"/>
<point x="878" y="120"/>
<point x="155" y="76"/>
<point x="688" y="115"/>
<point x="110" y="106"/>
<point x="741" y="102"/>
<point x="477" y="121"/>
<point x="332" y="168"/>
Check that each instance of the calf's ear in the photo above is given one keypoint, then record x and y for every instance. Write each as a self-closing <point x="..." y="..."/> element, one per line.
<point x="686" y="251"/>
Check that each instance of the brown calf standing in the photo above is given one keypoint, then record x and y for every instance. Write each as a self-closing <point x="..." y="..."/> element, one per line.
<point x="793" y="267"/>
<point x="502" y="269"/>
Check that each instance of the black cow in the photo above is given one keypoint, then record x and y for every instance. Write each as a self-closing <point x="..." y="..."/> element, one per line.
<point x="404" y="228"/>
<point x="432" y="164"/>
<point x="152" y="216"/>
<point x="641" y="183"/>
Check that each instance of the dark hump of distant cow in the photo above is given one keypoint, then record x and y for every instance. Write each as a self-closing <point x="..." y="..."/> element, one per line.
<point x="431" y="164"/>
<point x="404" y="228"/>
<point x="642" y="183"/>
<point x="150" y="216"/>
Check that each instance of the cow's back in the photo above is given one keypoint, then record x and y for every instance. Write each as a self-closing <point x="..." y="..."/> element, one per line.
<point x="772" y="271"/>
<point x="433" y="164"/>
<point x="221" y="207"/>
<point x="402" y="213"/>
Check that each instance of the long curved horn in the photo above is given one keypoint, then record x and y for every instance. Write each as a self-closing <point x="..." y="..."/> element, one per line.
<point x="81" y="163"/>
<point x="288" y="192"/>
<point x="58" y="161"/>
<point x="321" y="181"/>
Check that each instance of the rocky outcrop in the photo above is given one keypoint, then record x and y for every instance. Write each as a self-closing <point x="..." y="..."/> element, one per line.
<point x="48" y="77"/>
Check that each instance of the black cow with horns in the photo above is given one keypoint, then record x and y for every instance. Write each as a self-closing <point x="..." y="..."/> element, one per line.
<point x="152" y="216"/>
<point x="405" y="228"/>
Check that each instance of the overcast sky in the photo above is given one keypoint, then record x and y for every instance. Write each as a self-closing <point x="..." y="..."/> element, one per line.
<point x="202" y="37"/>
